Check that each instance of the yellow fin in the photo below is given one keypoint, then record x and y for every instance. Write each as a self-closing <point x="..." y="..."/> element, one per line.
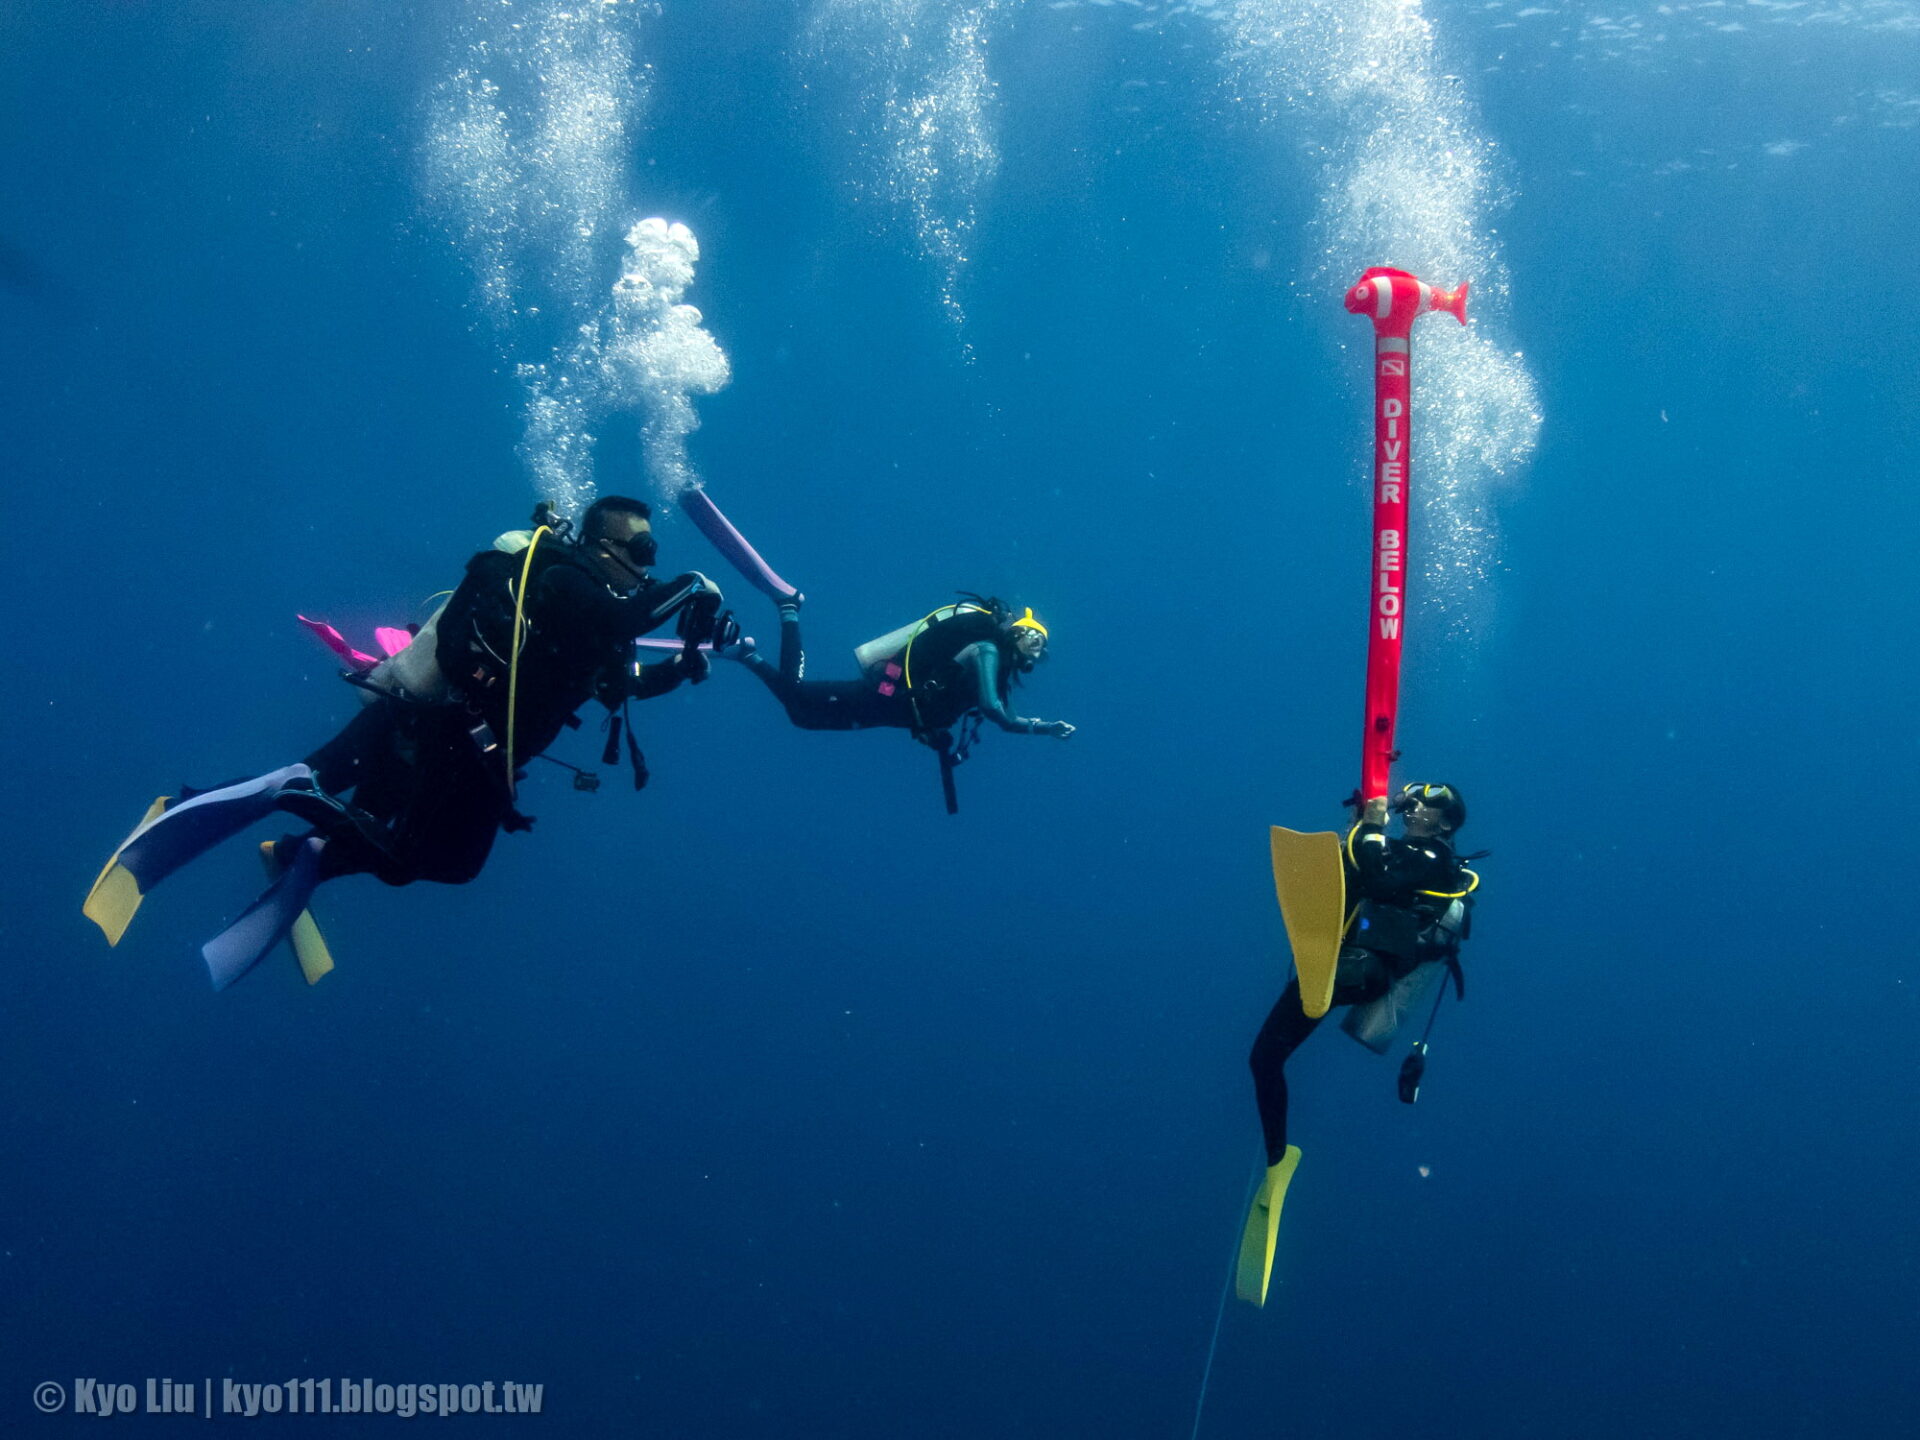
<point x="310" y="948"/>
<point x="1311" y="881"/>
<point x="1263" y="1228"/>
<point x="115" y="895"/>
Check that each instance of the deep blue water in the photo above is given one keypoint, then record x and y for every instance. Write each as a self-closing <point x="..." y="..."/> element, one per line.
<point x="775" y="1102"/>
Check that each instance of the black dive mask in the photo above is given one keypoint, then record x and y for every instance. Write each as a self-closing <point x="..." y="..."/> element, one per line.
<point x="641" y="548"/>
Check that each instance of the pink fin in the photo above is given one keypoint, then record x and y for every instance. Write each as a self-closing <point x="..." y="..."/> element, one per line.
<point x="337" y="643"/>
<point x="391" y="640"/>
<point x="665" y="645"/>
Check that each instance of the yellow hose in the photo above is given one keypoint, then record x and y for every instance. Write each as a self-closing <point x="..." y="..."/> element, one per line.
<point x="926" y="621"/>
<point x="519" y="639"/>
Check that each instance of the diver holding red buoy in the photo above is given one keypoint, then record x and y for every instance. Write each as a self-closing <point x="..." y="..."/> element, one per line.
<point x="1375" y="921"/>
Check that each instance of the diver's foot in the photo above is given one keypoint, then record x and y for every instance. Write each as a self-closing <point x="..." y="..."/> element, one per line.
<point x="278" y="855"/>
<point x="303" y="799"/>
<point x="332" y="819"/>
<point x="790" y="607"/>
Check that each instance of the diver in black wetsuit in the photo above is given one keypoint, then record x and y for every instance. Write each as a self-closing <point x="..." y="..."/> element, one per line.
<point x="535" y="630"/>
<point x="961" y="660"/>
<point x="1405" y="888"/>
<point x="430" y="778"/>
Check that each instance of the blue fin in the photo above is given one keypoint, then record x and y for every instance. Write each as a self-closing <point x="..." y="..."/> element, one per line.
<point x="266" y="922"/>
<point x="188" y="828"/>
<point x="309" y="945"/>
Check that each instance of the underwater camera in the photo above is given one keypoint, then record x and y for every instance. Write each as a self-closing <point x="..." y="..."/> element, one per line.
<point x="1412" y="1070"/>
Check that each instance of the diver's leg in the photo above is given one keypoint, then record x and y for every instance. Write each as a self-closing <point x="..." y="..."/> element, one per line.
<point x="816" y="704"/>
<point x="448" y="831"/>
<point x="435" y="802"/>
<point x="360" y="747"/>
<point x="1287" y="1025"/>
<point x="793" y="658"/>
<point x="402" y="763"/>
<point x="357" y="844"/>
<point x="793" y="655"/>
<point x="834" y="704"/>
<point x="770" y="676"/>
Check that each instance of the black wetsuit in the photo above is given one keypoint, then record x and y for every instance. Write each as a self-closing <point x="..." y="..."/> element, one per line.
<point x="1406" y="886"/>
<point x="429" y="781"/>
<point x="958" y="665"/>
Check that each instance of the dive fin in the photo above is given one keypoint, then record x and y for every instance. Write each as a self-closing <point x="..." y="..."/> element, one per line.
<point x="115" y="896"/>
<point x="1311" y="882"/>
<point x="310" y="948"/>
<point x="175" y="834"/>
<point x="309" y="945"/>
<point x="1263" y="1228"/>
<point x="266" y="922"/>
<point x="698" y="507"/>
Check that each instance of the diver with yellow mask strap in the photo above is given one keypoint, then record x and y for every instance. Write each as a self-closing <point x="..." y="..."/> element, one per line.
<point x="938" y="677"/>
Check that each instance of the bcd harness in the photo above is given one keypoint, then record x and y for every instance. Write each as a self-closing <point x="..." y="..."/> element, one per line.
<point x="1409" y="936"/>
<point x="501" y="605"/>
<point x="952" y="741"/>
<point x="1401" y="932"/>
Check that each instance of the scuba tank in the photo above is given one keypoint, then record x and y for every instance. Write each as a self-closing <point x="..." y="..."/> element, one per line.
<point x="1375" y="1023"/>
<point x="897" y="645"/>
<point x="890" y="662"/>
<point x="414" y="674"/>
<point x="890" y="646"/>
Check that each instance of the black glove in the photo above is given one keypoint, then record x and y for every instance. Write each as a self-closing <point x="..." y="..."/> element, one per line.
<point x="694" y="666"/>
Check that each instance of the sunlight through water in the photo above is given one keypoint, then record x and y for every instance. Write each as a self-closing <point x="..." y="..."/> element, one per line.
<point x="927" y="97"/>
<point x="526" y="162"/>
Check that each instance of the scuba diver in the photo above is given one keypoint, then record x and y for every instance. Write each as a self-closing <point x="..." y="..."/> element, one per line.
<point x="542" y="623"/>
<point x="1414" y="908"/>
<point x="938" y="678"/>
